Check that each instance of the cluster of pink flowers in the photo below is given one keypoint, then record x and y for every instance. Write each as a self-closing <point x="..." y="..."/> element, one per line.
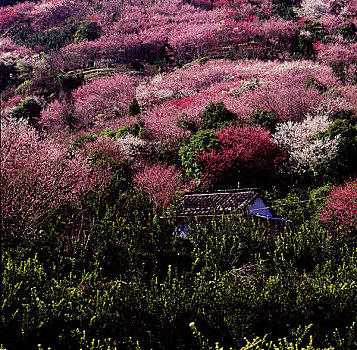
<point x="180" y="31"/>
<point x="52" y="118"/>
<point x="49" y="14"/>
<point x="175" y="31"/>
<point x="107" y="97"/>
<point x="333" y="52"/>
<point x="10" y="52"/>
<point x="39" y="176"/>
<point x="244" y="86"/>
<point x="146" y="32"/>
<point x="160" y="183"/>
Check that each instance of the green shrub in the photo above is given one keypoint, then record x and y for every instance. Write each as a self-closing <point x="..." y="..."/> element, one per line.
<point x="338" y="69"/>
<point x="29" y="110"/>
<point x="134" y="108"/>
<point x="301" y="47"/>
<point x="87" y="30"/>
<point x="348" y="31"/>
<point x="69" y="82"/>
<point x="185" y="123"/>
<point x="124" y="280"/>
<point x="204" y="139"/>
<point x="8" y="75"/>
<point x="266" y="119"/>
<point x="343" y="165"/>
<point x="215" y="115"/>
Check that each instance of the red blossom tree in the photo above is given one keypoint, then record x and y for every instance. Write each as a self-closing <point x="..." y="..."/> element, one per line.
<point x="8" y="17"/>
<point x="248" y="154"/>
<point x="340" y="210"/>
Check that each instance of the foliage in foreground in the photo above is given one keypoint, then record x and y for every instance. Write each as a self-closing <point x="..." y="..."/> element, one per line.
<point x="135" y="284"/>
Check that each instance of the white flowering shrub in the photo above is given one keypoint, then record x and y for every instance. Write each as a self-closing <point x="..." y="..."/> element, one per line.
<point x="313" y="9"/>
<point x="305" y="150"/>
<point x="132" y="147"/>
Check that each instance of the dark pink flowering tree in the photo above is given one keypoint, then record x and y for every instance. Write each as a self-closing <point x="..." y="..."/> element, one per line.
<point x="159" y="183"/>
<point x="340" y="210"/>
<point x="163" y="120"/>
<point x="8" y="17"/>
<point x="38" y="177"/>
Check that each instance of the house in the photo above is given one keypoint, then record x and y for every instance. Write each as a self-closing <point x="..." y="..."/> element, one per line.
<point x="222" y="202"/>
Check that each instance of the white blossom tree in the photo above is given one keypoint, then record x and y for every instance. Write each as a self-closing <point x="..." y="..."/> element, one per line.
<point x="313" y="9"/>
<point x="305" y="150"/>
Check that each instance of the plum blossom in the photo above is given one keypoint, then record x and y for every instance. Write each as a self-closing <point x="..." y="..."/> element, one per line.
<point x="298" y="139"/>
<point x="314" y="9"/>
<point x="38" y="177"/>
<point x="159" y="183"/>
<point x="340" y="210"/>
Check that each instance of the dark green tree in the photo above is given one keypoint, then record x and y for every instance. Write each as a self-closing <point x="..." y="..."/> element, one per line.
<point x="87" y="30"/>
<point x="339" y="69"/>
<point x="348" y="31"/>
<point x="266" y="119"/>
<point x="134" y="108"/>
<point x="185" y="123"/>
<point x="8" y="75"/>
<point x="70" y="82"/>
<point x="344" y="164"/>
<point x="215" y="115"/>
<point x="29" y="110"/>
<point x="203" y="140"/>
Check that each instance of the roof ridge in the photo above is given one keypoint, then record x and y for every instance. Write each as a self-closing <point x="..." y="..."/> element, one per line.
<point x="236" y="190"/>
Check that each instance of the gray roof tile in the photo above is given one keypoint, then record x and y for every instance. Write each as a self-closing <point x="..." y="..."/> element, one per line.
<point x="220" y="202"/>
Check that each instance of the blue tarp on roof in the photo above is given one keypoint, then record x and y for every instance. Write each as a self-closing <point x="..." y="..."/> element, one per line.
<point x="258" y="208"/>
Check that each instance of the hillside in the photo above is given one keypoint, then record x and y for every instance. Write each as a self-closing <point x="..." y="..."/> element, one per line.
<point x="112" y="110"/>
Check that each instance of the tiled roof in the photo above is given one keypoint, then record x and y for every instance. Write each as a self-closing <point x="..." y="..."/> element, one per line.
<point x="220" y="202"/>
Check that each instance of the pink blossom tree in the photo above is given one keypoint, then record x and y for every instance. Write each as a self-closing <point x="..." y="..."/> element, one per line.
<point x="48" y="14"/>
<point x="105" y="98"/>
<point x="105" y="144"/>
<point x="38" y="177"/>
<point x="11" y="52"/>
<point x="159" y="183"/>
<point x="52" y="118"/>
